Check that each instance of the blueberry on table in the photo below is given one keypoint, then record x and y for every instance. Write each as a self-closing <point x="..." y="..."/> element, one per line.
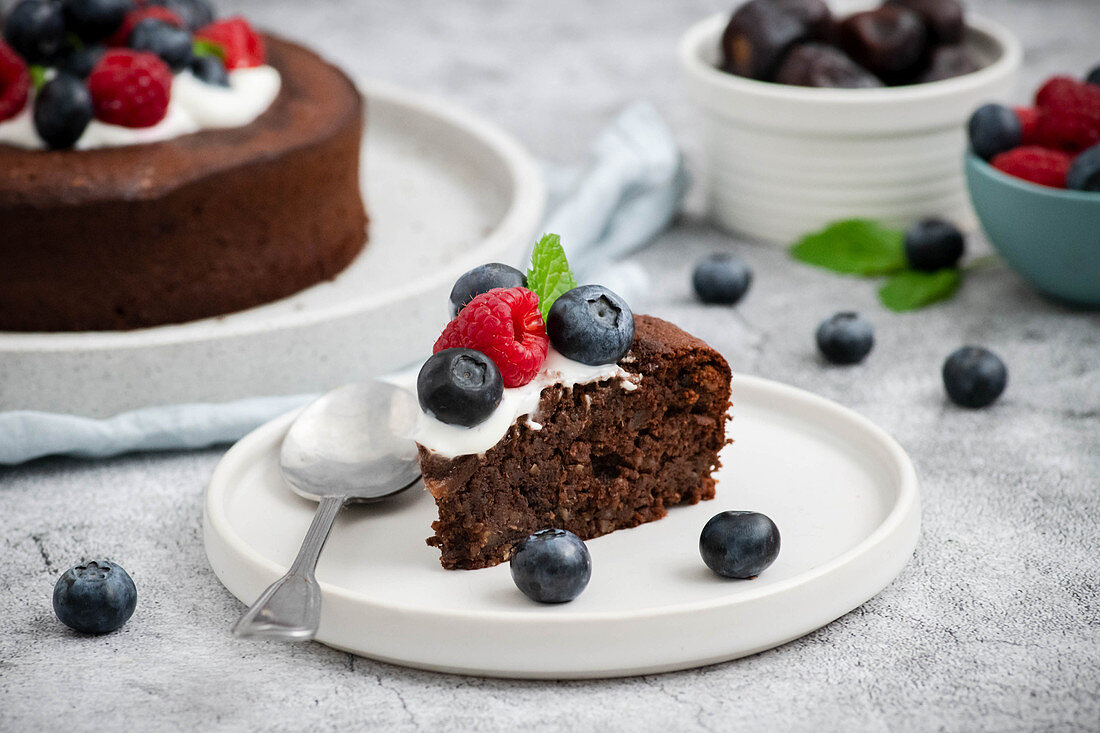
<point x="591" y="324"/>
<point x="62" y="110"/>
<point x="171" y="44"/>
<point x="845" y="338"/>
<point x="739" y="544"/>
<point x="459" y="386"/>
<point x="482" y="279"/>
<point x="211" y="70"/>
<point x="1093" y="77"/>
<point x="551" y="566"/>
<point x="721" y="278"/>
<point x="993" y="129"/>
<point x="974" y="377"/>
<point x="933" y="244"/>
<point x="94" y="20"/>
<point x="79" y="62"/>
<point x="36" y="30"/>
<point x="94" y="598"/>
<point x="1084" y="172"/>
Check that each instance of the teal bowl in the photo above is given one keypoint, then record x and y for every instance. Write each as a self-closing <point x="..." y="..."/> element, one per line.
<point x="1049" y="236"/>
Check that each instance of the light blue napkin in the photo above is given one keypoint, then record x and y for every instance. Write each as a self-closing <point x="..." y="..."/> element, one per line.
<point x="629" y="190"/>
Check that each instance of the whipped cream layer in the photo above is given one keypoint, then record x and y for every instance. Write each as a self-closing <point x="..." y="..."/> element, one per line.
<point x="451" y="441"/>
<point x="193" y="106"/>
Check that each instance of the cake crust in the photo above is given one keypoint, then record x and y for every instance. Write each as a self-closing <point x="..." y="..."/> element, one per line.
<point x="200" y="225"/>
<point x="605" y="458"/>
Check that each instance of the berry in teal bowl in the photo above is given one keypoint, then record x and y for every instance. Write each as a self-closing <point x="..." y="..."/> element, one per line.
<point x="1049" y="236"/>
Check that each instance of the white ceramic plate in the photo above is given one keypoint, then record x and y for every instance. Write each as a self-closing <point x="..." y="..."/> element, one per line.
<point x="445" y="191"/>
<point x="842" y="492"/>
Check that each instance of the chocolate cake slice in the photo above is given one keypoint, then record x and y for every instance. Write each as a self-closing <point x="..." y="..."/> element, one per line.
<point x="591" y="457"/>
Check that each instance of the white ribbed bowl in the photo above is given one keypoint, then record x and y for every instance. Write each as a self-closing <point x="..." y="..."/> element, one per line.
<point x="782" y="160"/>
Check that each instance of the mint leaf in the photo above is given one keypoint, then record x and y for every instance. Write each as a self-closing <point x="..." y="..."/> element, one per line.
<point x="855" y="247"/>
<point x="914" y="289"/>
<point x="203" y="47"/>
<point x="549" y="275"/>
<point x="38" y="76"/>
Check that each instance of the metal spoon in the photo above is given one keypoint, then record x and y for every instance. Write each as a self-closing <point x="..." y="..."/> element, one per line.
<point x="351" y="445"/>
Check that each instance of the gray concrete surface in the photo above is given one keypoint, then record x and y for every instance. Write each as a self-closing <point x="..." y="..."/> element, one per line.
<point x="994" y="625"/>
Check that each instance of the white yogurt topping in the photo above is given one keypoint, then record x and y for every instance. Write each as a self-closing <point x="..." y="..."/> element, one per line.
<point x="451" y="441"/>
<point x="194" y="105"/>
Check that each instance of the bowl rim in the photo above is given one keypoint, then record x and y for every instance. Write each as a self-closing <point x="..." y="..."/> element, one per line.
<point x="705" y="33"/>
<point x="983" y="167"/>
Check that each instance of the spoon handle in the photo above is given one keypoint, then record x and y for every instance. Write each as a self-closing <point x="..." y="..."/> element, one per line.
<point x="290" y="608"/>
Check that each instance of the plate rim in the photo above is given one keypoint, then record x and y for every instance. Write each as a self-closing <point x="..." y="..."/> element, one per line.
<point x="525" y="209"/>
<point x="905" y="505"/>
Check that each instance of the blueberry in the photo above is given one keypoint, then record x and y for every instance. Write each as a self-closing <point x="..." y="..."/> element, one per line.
<point x="94" y="20"/>
<point x="1084" y="173"/>
<point x="94" y="598"/>
<point x="933" y="244"/>
<point x="721" y="278"/>
<point x="1093" y="76"/>
<point x="974" y="377"/>
<point x="994" y="129"/>
<point x="36" y="30"/>
<point x="62" y="109"/>
<point x="591" y="324"/>
<point x="482" y="279"/>
<point x="845" y="338"/>
<point x="459" y="386"/>
<point x="170" y="43"/>
<point x="211" y="70"/>
<point x="551" y="566"/>
<point x="79" y="63"/>
<point x="194" y="13"/>
<point x="739" y="544"/>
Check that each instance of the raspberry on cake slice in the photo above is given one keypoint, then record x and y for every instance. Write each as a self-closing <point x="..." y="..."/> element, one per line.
<point x="552" y="406"/>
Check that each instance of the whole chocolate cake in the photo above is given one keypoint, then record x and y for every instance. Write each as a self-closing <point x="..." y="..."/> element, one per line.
<point x="233" y="182"/>
<point x="588" y="419"/>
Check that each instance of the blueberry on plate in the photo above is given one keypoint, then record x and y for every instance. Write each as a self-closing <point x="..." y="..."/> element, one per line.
<point x="551" y="566"/>
<point x="94" y="598"/>
<point x="739" y="544"/>
<point x="974" y="377"/>
<point x="36" y="30"/>
<point x="1093" y="77"/>
<point x="62" y="110"/>
<point x="933" y="244"/>
<point x="459" y="386"/>
<point x="993" y="129"/>
<point x="591" y="324"/>
<point x="482" y="279"/>
<point x="721" y="278"/>
<point x="211" y="70"/>
<point x="845" y="338"/>
<point x="172" y="44"/>
<point x="94" y="20"/>
<point x="1084" y="172"/>
<point x="79" y="62"/>
<point x="194" y="13"/>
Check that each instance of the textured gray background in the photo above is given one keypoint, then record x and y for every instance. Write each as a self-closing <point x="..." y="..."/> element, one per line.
<point x="995" y="624"/>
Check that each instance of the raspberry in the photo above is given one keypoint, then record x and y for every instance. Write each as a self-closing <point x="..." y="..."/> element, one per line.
<point x="15" y="82"/>
<point x="121" y="37"/>
<point x="1029" y="117"/>
<point x="1069" y="114"/>
<point x="130" y="88"/>
<point x="1039" y="165"/>
<point x="243" y="46"/>
<point x="505" y="325"/>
